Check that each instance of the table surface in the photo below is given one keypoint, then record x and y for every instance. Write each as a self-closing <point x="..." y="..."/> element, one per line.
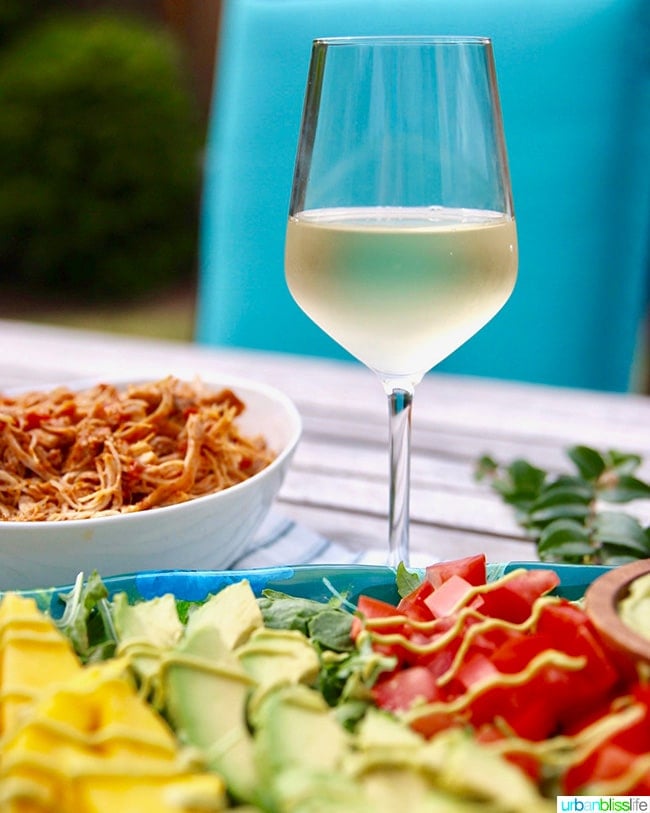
<point x="338" y="482"/>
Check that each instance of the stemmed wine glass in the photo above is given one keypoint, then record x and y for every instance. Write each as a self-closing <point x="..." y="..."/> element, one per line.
<point x="401" y="240"/>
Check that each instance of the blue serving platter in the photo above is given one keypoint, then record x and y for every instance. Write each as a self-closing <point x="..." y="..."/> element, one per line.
<point x="317" y="582"/>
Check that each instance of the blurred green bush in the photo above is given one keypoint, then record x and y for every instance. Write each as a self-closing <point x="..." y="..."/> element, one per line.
<point x="100" y="141"/>
<point x="16" y="15"/>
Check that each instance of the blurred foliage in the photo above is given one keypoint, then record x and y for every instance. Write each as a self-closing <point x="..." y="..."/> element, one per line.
<point x="99" y="159"/>
<point x="15" y="16"/>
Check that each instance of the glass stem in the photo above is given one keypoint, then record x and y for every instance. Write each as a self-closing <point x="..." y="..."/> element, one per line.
<point x="400" y="400"/>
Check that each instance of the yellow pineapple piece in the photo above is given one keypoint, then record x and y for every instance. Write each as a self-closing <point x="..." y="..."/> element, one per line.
<point x="94" y="745"/>
<point x="184" y="794"/>
<point x="34" y="654"/>
<point x="121" y="713"/>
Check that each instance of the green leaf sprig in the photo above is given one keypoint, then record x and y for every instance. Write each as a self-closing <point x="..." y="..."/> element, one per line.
<point x="566" y="514"/>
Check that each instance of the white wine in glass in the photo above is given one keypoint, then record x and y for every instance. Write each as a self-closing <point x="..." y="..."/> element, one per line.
<point x="401" y="240"/>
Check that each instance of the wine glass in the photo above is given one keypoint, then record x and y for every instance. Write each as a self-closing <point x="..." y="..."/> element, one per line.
<point x="401" y="240"/>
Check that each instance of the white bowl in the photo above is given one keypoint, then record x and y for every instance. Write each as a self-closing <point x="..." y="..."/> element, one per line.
<point x="207" y="532"/>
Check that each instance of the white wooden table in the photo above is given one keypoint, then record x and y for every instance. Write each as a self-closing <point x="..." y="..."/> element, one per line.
<point x="338" y="482"/>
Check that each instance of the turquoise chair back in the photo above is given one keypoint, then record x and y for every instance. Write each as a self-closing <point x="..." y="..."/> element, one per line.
<point x="574" y="78"/>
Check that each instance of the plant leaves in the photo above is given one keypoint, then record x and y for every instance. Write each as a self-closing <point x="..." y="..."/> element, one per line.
<point x="564" y="511"/>
<point x="626" y="489"/>
<point x="622" y="462"/>
<point x="615" y="556"/>
<point x="560" y="506"/>
<point x="575" y="553"/>
<point x="589" y="462"/>
<point x="520" y="483"/>
<point x="563" y="532"/>
<point x="486" y="466"/>
<point x="571" y="484"/>
<point x="566" y="540"/>
<point x="621" y="530"/>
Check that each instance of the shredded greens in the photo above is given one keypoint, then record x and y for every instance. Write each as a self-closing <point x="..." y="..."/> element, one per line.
<point x="87" y="619"/>
<point x="346" y="672"/>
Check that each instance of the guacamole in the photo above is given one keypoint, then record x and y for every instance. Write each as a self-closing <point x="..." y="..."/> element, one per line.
<point x="634" y="609"/>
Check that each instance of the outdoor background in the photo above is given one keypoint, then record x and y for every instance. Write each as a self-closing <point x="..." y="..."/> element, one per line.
<point x="104" y="106"/>
<point x="103" y="111"/>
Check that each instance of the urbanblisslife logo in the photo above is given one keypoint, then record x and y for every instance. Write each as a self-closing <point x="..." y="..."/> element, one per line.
<point x="585" y="804"/>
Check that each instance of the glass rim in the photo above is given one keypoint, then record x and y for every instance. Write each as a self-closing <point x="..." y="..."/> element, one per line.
<point x="406" y="39"/>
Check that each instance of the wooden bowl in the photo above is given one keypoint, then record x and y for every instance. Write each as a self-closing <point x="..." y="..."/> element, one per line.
<point x="602" y="600"/>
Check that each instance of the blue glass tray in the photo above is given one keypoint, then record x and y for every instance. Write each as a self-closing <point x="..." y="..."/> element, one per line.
<point x="318" y="582"/>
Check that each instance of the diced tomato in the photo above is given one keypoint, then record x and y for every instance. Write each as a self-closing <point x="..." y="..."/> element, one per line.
<point x="441" y="660"/>
<point x="571" y="631"/>
<point x="615" y="755"/>
<point x="561" y="619"/>
<point x="401" y="690"/>
<point x="529" y="715"/>
<point x="413" y="605"/>
<point x="433" y="721"/>
<point x="528" y="708"/>
<point x="518" y="650"/>
<point x="523" y="708"/>
<point x="606" y="762"/>
<point x="512" y="597"/>
<point x="642" y="787"/>
<point x="635" y="738"/>
<point x="471" y="568"/>
<point x="476" y="669"/>
<point x="489" y="701"/>
<point x="599" y="671"/>
<point x="437" y="645"/>
<point x="559" y="696"/>
<point x="451" y="594"/>
<point x="641" y="692"/>
<point x="490" y="640"/>
<point x="371" y="608"/>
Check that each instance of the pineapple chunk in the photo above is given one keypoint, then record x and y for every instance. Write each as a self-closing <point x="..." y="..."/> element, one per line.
<point x="33" y="656"/>
<point x="184" y="794"/>
<point x="94" y="745"/>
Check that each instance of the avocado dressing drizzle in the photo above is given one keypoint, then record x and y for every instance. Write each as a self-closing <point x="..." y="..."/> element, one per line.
<point x="460" y="608"/>
<point x="25" y="629"/>
<point x="466" y="613"/>
<point x="487" y="625"/>
<point x="564" y="751"/>
<point x="547" y="658"/>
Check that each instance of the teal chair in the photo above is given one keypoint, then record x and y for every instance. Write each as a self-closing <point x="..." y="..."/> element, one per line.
<point x="574" y="78"/>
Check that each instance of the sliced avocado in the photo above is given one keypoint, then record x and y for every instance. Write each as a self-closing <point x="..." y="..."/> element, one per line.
<point x="395" y="787"/>
<point x="145" y="631"/>
<point x="464" y="766"/>
<point x="380" y="732"/>
<point x="297" y="729"/>
<point x="386" y="764"/>
<point x="155" y="621"/>
<point x="276" y="658"/>
<point x="233" y="611"/>
<point x="298" y="790"/>
<point x="452" y="772"/>
<point x="207" y="689"/>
